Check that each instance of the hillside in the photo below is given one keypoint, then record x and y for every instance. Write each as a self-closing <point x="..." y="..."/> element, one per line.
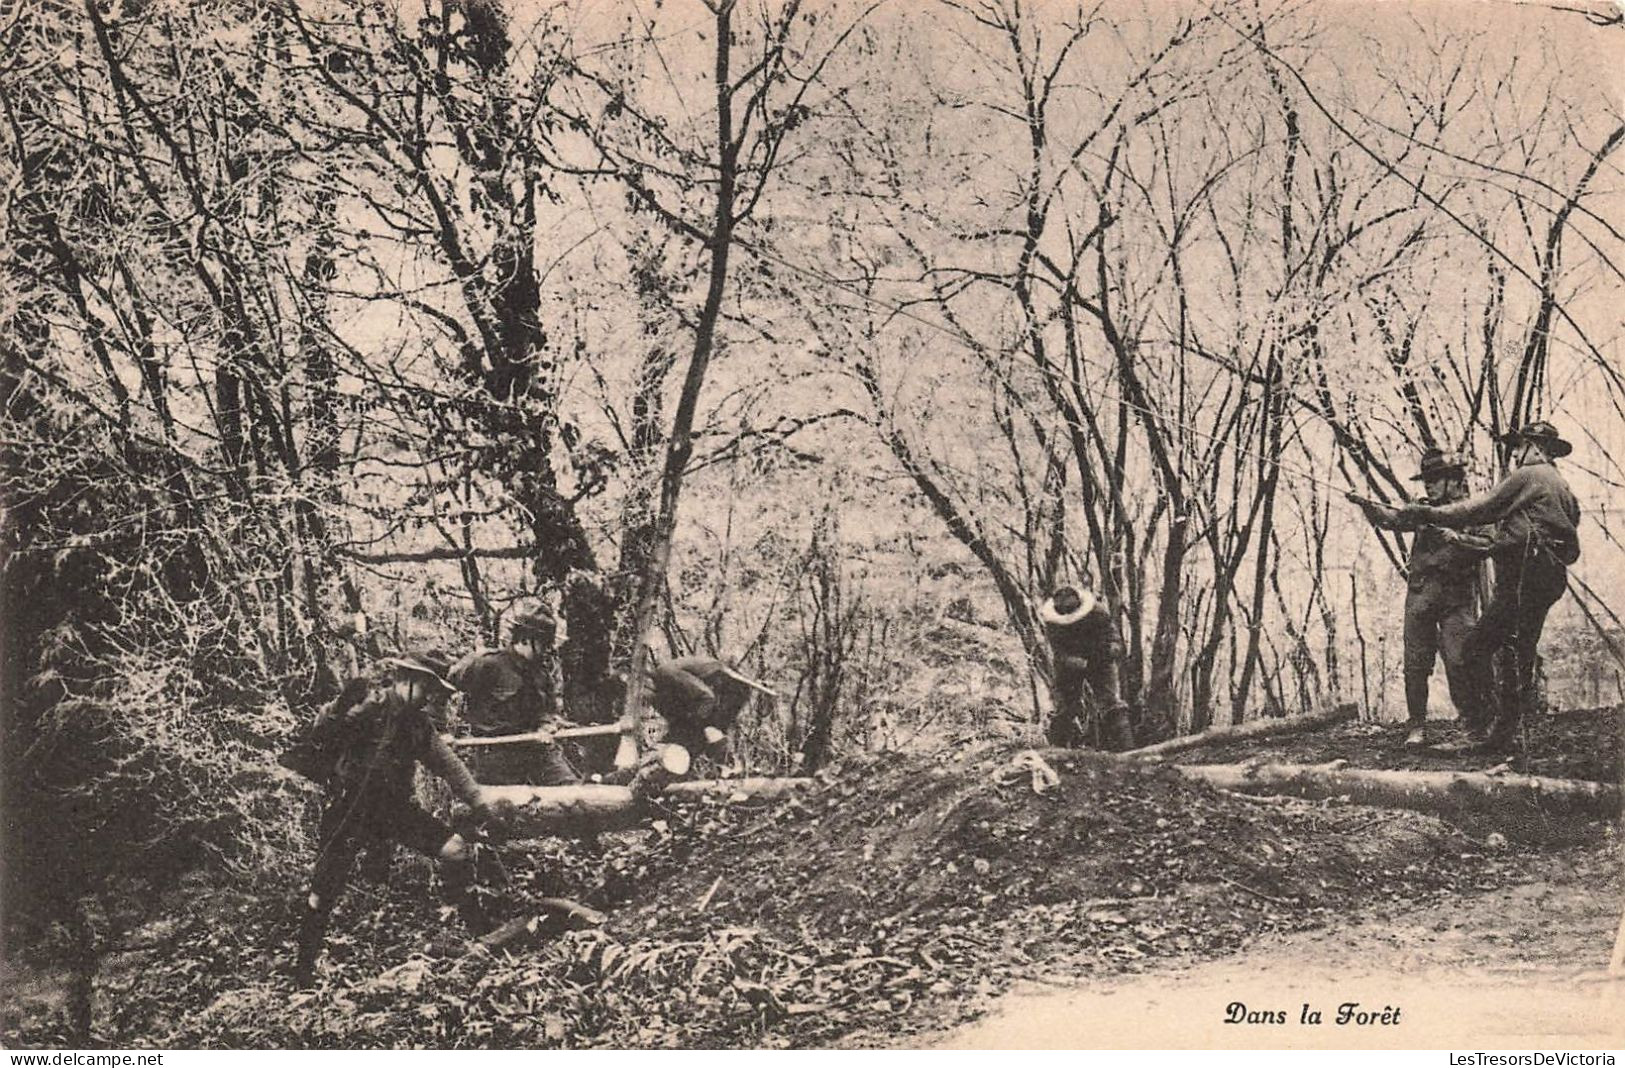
<point x="894" y="901"/>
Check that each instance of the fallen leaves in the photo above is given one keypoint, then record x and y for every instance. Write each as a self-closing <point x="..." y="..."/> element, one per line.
<point x="904" y="893"/>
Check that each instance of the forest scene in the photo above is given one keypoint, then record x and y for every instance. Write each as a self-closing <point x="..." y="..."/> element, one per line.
<point x="349" y="342"/>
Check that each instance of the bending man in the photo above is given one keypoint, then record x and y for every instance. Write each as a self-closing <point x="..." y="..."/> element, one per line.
<point x="700" y="699"/>
<point x="375" y="748"/>
<point x="1085" y="644"/>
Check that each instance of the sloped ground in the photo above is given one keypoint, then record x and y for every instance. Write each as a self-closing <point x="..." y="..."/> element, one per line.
<point x="1582" y="744"/>
<point x="1515" y="968"/>
<point x="893" y="902"/>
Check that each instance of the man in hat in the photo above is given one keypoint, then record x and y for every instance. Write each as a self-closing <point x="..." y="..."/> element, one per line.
<point x="700" y="699"/>
<point x="1085" y="643"/>
<point x="1441" y="580"/>
<point x="375" y="748"/>
<point x="1536" y="521"/>
<point x="510" y="691"/>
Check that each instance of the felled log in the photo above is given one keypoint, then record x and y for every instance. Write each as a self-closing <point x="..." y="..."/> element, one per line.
<point x="591" y="808"/>
<point x="1258" y="728"/>
<point x="1529" y="807"/>
<point x="753" y="788"/>
<point x="580" y="811"/>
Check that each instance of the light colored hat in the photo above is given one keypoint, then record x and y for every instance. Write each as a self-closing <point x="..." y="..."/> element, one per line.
<point x="1067" y="605"/>
<point x="428" y="663"/>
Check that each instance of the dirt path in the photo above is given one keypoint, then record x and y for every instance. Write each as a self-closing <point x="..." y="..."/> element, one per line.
<point x="1515" y="968"/>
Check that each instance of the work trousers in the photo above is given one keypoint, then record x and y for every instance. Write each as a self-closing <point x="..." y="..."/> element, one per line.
<point x="1086" y="716"/>
<point x="1527" y="584"/>
<point x="522" y="764"/>
<point x="1438" y="623"/>
<point x="347" y="826"/>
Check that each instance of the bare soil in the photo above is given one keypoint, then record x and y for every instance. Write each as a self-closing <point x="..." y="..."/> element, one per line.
<point x="1514" y="968"/>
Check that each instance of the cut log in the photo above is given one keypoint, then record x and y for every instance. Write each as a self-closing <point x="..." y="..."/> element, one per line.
<point x="753" y="788"/>
<point x="591" y="808"/>
<point x="1528" y="807"/>
<point x="575" y="811"/>
<point x="1258" y="728"/>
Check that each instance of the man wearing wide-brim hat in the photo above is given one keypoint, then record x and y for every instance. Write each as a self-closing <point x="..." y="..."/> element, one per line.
<point x="1084" y="641"/>
<point x="700" y="698"/>
<point x="1440" y="599"/>
<point x="375" y="749"/>
<point x="510" y="691"/>
<point x="1536" y="538"/>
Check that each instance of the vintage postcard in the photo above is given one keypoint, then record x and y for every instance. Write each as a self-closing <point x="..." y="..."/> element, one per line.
<point x="772" y="524"/>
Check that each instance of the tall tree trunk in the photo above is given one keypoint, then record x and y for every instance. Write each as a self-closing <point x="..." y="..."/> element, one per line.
<point x="1159" y="690"/>
<point x="680" y="441"/>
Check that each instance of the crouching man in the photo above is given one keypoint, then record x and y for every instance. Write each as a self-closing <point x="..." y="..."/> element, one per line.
<point x="700" y="699"/>
<point x="366" y="755"/>
<point x="1089" y="705"/>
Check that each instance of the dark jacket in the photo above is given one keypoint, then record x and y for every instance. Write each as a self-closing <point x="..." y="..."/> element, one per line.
<point x="1436" y="561"/>
<point x="506" y="694"/>
<point x="378" y="745"/>
<point x="1094" y="638"/>
<point x="693" y="693"/>
<point x="1087" y="652"/>
<point x="1532" y="503"/>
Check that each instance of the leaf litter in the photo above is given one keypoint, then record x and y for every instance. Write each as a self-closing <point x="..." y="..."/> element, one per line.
<point x="894" y="900"/>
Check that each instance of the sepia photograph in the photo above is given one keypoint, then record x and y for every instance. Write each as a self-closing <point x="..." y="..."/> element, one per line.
<point x="812" y="524"/>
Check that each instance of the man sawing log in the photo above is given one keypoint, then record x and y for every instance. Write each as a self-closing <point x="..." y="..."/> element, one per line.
<point x="1536" y="521"/>
<point x="509" y="693"/>
<point x="365" y="754"/>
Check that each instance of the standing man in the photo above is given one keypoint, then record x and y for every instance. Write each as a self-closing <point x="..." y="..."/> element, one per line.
<point x="1086" y="647"/>
<point x="510" y="691"/>
<point x="1536" y="521"/>
<point x="1441" y="583"/>
<point x="700" y="699"/>
<point x="367" y="757"/>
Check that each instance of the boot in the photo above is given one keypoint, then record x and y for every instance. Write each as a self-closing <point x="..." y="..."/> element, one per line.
<point x="312" y="930"/>
<point x="1502" y="739"/>
<point x="1063" y="730"/>
<point x="1416" y="708"/>
<point x="457" y="883"/>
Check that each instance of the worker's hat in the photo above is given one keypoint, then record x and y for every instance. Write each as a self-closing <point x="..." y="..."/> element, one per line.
<point x="1437" y="463"/>
<point x="1541" y="432"/>
<point x="428" y="663"/>
<point x="535" y="619"/>
<point x="1067" y="604"/>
